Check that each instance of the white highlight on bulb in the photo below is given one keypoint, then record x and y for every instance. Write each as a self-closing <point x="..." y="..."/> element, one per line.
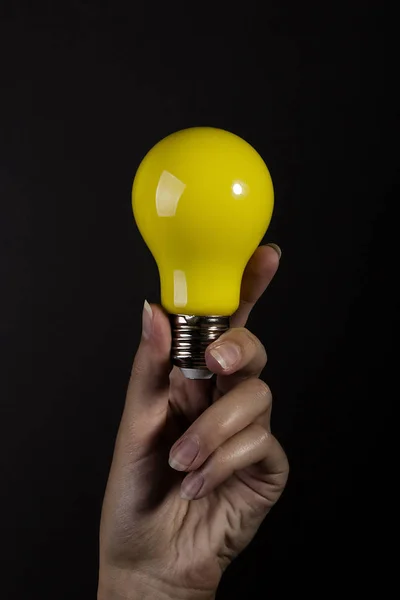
<point x="180" y="288"/>
<point x="237" y="189"/>
<point x="168" y="193"/>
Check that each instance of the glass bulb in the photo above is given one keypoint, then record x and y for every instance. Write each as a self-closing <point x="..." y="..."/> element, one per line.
<point x="202" y="199"/>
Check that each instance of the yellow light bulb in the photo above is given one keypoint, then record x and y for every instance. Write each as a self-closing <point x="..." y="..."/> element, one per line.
<point x="202" y="199"/>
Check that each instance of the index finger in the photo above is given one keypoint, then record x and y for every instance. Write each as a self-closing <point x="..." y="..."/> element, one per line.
<point x="258" y="274"/>
<point x="235" y="356"/>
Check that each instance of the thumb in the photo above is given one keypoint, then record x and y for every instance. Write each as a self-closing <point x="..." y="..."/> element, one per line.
<point x="148" y="391"/>
<point x="152" y="364"/>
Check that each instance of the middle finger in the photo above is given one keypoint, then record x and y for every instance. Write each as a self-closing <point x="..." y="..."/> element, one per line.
<point x="232" y="413"/>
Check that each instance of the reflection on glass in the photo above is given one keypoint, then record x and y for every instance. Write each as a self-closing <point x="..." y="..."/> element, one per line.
<point x="180" y="289"/>
<point x="169" y="190"/>
<point x="237" y="189"/>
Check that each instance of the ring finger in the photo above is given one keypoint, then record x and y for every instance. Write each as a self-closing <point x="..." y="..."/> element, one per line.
<point x="248" y="447"/>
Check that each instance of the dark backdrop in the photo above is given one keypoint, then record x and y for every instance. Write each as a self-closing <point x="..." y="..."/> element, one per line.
<point x="86" y="89"/>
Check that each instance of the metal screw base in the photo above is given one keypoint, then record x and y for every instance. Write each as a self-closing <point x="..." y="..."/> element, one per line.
<point x="190" y="337"/>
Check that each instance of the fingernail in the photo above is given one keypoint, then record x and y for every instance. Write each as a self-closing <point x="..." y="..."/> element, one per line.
<point x="147" y="320"/>
<point x="191" y="486"/>
<point x="227" y="354"/>
<point x="276" y="248"/>
<point x="184" y="454"/>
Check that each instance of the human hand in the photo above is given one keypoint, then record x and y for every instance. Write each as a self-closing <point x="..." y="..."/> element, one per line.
<point x="168" y="531"/>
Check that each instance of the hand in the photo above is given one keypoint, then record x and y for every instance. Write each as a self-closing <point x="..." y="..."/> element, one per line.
<point x="170" y="530"/>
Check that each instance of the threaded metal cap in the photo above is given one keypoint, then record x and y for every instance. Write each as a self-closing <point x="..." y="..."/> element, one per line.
<point x="191" y="335"/>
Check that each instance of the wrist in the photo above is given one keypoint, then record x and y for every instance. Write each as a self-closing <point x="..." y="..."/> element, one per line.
<point x="136" y="586"/>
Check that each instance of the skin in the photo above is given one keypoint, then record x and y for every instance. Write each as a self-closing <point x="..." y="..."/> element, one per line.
<point x="169" y="529"/>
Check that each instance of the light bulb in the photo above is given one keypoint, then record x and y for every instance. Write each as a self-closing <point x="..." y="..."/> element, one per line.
<point x="202" y="200"/>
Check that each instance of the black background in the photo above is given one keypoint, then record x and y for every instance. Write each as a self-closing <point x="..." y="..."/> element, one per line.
<point x="86" y="89"/>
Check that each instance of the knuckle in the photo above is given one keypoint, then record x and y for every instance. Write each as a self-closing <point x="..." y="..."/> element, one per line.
<point x="262" y="354"/>
<point x="285" y="469"/>
<point x="260" y="389"/>
<point x="138" y="367"/>
<point x="261" y="433"/>
<point x="220" y="456"/>
<point x="212" y="432"/>
<point x="220" y="421"/>
<point x="252" y="349"/>
<point x="249" y="337"/>
<point x="245" y="338"/>
<point x="263" y="350"/>
<point x="256" y="347"/>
